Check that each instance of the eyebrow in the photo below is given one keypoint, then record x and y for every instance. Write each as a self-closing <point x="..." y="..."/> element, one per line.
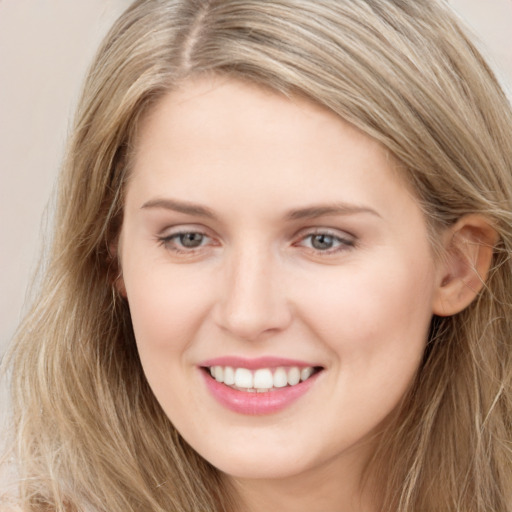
<point x="311" y="212"/>
<point x="322" y="210"/>
<point x="181" y="207"/>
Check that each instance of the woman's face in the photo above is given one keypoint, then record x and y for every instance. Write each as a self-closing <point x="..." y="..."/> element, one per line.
<point x="266" y="241"/>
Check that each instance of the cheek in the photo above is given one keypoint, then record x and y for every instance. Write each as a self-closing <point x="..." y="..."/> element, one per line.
<point x="381" y="311"/>
<point x="166" y="308"/>
<point x="376" y="329"/>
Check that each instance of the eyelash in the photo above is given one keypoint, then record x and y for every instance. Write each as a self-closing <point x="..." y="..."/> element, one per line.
<point x="342" y="243"/>
<point x="168" y="242"/>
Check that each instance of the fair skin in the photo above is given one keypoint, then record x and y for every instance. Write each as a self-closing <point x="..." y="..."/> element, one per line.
<point x="259" y="226"/>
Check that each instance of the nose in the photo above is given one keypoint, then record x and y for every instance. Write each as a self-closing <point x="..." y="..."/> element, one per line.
<point x="253" y="301"/>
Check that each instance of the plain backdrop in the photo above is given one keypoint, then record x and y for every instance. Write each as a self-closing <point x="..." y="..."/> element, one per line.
<point x="45" y="49"/>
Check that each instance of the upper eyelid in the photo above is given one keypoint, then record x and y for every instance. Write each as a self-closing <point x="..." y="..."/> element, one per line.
<point x="179" y="233"/>
<point x="335" y="232"/>
<point x="172" y="244"/>
<point x="169" y="231"/>
<point x="345" y="241"/>
<point x="173" y="236"/>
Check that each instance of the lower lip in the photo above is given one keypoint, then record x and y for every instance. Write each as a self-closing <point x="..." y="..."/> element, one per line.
<point x="249" y="403"/>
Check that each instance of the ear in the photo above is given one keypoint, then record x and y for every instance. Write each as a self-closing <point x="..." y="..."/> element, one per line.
<point x="468" y="248"/>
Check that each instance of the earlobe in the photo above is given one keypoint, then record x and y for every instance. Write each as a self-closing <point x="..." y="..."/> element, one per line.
<point x="468" y="248"/>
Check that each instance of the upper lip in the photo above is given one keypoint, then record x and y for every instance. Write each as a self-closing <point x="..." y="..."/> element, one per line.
<point x="255" y="363"/>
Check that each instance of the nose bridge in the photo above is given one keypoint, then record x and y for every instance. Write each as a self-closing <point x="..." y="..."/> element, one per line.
<point x="253" y="301"/>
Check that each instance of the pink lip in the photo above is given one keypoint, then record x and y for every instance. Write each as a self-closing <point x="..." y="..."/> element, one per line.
<point x="249" y="403"/>
<point x="254" y="364"/>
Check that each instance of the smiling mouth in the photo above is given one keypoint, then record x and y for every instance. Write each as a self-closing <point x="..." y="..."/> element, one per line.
<point x="261" y="380"/>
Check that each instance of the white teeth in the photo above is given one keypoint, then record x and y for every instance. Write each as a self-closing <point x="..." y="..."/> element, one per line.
<point x="305" y="373"/>
<point x="243" y="378"/>
<point x="229" y="376"/>
<point x="218" y="373"/>
<point x="293" y="376"/>
<point x="261" y="380"/>
<point x="280" y="378"/>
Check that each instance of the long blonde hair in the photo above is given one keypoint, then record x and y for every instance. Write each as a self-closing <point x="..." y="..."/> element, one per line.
<point x="89" y="434"/>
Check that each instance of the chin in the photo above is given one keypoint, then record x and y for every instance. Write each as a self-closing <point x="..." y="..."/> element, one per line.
<point x="258" y="470"/>
<point x="266" y="462"/>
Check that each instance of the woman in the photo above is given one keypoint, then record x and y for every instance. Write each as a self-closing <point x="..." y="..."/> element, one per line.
<point x="281" y="272"/>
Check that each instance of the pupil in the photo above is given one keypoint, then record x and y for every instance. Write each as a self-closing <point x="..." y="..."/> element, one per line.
<point x="322" y="241"/>
<point x="191" y="239"/>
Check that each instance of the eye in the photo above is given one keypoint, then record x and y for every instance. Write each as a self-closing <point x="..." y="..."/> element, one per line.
<point x="322" y="242"/>
<point x="185" y="241"/>
<point x="326" y="242"/>
<point x="190" y="240"/>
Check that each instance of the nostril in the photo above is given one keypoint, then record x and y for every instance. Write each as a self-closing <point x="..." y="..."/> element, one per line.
<point x="252" y="321"/>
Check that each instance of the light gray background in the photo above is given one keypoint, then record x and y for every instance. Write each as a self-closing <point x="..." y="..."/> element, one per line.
<point x="45" y="49"/>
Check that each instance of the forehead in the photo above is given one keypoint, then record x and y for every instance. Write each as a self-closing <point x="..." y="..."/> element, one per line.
<point x="217" y="132"/>
<point x="220" y="105"/>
